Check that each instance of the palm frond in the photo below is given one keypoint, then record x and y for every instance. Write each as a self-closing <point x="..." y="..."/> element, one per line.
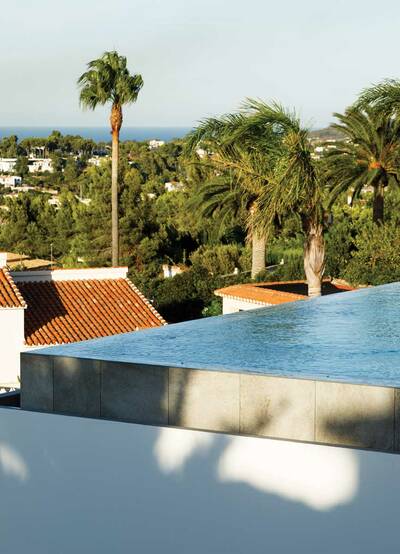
<point x="368" y="156"/>
<point x="107" y="79"/>
<point x="384" y="96"/>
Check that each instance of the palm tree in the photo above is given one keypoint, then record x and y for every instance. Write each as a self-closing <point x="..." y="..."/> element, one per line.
<point x="368" y="155"/>
<point x="219" y="198"/>
<point x="228" y="201"/>
<point x="293" y="185"/>
<point x="107" y="80"/>
<point x="384" y="96"/>
<point x="242" y="154"/>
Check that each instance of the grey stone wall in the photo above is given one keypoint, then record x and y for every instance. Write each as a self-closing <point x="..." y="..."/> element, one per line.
<point x="324" y="412"/>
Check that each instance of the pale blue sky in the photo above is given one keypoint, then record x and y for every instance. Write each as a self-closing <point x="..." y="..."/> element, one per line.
<point x="197" y="57"/>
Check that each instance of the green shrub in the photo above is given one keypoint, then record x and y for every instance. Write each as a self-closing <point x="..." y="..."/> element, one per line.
<point x="219" y="260"/>
<point x="213" y="308"/>
<point x="188" y="295"/>
<point x="291" y="252"/>
<point x="339" y="246"/>
<point x="376" y="259"/>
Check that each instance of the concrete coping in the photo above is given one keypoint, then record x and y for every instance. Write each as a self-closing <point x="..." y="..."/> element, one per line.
<point x="309" y="410"/>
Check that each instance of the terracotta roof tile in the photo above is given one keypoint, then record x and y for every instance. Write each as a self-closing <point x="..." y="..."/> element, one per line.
<point x="10" y="296"/>
<point x="68" y="311"/>
<point x="254" y="293"/>
<point x="260" y="293"/>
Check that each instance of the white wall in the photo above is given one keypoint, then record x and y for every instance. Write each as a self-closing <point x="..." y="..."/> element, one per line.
<point x="37" y="165"/>
<point x="7" y="164"/>
<point x="232" y="305"/>
<point x="79" y="485"/>
<point x="11" y="344"/>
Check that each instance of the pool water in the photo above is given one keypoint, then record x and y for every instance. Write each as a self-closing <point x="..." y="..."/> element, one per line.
<point x="351" y="337"/>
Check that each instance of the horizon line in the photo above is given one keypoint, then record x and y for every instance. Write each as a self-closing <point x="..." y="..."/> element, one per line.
<point x="94" y="126"/>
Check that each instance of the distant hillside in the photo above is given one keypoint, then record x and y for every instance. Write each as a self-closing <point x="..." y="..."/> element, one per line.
<point x="328" y="133"/>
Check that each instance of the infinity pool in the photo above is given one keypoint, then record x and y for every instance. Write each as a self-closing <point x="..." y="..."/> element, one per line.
<point x="352" y="337"/>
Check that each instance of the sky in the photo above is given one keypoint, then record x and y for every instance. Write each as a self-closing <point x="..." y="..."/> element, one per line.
<point x="198" y="58"/>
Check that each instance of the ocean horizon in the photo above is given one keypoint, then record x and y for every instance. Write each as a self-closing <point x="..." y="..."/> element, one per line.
<point x="98" y="134"/>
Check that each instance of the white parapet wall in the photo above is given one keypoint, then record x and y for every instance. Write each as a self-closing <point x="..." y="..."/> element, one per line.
<point x="70" y="274"/>
<point x="78" y="485"/>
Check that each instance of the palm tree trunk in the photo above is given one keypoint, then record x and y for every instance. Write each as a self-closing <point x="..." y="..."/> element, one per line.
<point x="116" y="122"/>
<point x="377" y="209"/>
<point x="314" y="257"/>
<point x="258" y="244"/>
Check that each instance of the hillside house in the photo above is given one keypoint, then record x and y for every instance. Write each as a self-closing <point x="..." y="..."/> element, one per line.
<point x="154" y="144"/>
<point x="40" y="165"/>
<point x="49" y="307"/>
<point x="249" y="296"/>
<point x="173" y="186"/>
<point x="172" y="270"/>
<point x="10" y="180"/>
<point x="7" y="165"/>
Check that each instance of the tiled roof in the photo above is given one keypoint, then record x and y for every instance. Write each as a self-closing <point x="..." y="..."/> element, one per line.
<point x="259" y="294"/>
<point x="10" y="296"/>
<point x="13" y="257"/>
<point x="62" y="312"/>
<point x="36" y="263"/>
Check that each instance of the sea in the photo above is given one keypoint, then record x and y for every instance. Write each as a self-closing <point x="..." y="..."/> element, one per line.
<point x="99" y="134"/>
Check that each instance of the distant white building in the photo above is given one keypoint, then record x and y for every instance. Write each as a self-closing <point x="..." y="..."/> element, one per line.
<point x="201" y="153"/>
<point x="40" y="165"/>
<point x="171" y="270"/>
<point x="10" y="180"/>
<point x="98" y="160"/>
<point x="38" y="152"/>
<point x="153" y="144"/>
<point x="173" y="186"/>
<point x="7" y="165"/>
<point x="85" y="201"/>
<point x="54" y="201"/>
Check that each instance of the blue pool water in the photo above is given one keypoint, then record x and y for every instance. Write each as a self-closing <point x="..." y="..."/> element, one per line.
<point x="352" y="337"/>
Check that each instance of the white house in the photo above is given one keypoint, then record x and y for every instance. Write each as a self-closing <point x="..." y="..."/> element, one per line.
<point x="10" y="180"/>
<point x="171" y="270"/>
<point x="249" y="296"/>
<point x="7" y="165"/>
<point x="98" y="160"/>
<point x="153" y="144"/>
<point x="54" y="201"/>
<point x="48" y="307"/>
<point x="40" y="165"/>
<point x="201" y="153"/>
<point x="173" y="186"/>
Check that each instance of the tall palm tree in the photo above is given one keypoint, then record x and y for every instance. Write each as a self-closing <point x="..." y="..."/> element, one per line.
<point x="293" y="185"/>
<point x="107" y="80"/>
<point x="368" y="155"/>
<point x="242" y="153"/>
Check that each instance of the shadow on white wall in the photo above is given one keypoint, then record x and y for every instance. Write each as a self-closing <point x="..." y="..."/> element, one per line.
<point x="320" y="477"/>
